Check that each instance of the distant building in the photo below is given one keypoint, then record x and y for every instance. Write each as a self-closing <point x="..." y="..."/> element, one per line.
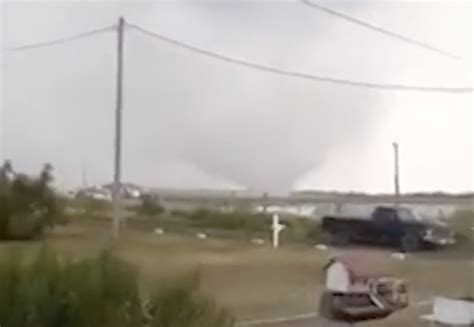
<point x="293" y="210"/>
<point x="94" y="192"/>
<point x="127" y="190"/>
<point x="104" y="192"/>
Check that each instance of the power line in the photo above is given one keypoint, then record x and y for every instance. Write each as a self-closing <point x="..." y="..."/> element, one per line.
<point x="294" y="74"/>
<point x="379" y="29"/>
<point x="248" y="64"/>
<point x="63" y="40"/>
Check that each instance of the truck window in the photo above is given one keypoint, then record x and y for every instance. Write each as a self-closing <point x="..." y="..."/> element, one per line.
<point x="384" y="215"/>
<point x="408" y="215"/>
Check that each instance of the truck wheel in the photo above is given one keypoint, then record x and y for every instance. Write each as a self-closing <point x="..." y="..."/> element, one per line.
<point x="326" y="309"/>
<point x="341" y="238"/>
<point x="410" y="243"/>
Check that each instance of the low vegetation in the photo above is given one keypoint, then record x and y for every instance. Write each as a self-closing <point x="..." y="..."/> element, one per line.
<point x="149" y="206"/>
<point x="462" y="223"/>
<point x="177" y="303"/>
<point x="250" y="222"/>
<point x="87" y="209"/>
<point x="28" y="204"/>
<point x="235" y="224"/>
<point x="97" y="292"/>
<point x="254" y="282"/>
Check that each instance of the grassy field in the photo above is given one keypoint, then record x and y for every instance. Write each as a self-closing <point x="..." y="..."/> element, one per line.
<point x="251" y="280"/>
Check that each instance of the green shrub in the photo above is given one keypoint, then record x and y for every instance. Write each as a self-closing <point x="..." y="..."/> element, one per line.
<point x="25" y="226"/>
<point x="462" y="223"/>
<point x="86" y="210"/>
<point x="301" y="229"/>
<point x="298" y="229"/>
<point x="96" y="292"/>
<point x="47" y="293"/>
<point x="179" y="213"/>
<point x="150" y="206"/>
<point x="27" y="204"/>
<point x="91" y="206"/>
<point x="177" y="303"/>
<point x="61" y="203"/>
<point x="239" y="220"/>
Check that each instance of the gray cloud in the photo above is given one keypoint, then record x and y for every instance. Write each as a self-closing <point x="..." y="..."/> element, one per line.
<point x="219" y="124"/>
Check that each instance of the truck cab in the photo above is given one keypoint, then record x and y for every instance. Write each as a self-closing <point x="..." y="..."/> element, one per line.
<point x="387" y="225"/>
<point x="398" y="226"/>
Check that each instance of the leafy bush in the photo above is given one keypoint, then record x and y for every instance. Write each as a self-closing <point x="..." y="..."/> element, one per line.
<point x="27" y="204"/>
<point x="150" y="206"/>
<point x="462" y="223"/>
<point x="24" y="226"/>
<point x="90" y="206"/>
<point x="86" y="210"/>
<point x="95" y="292"/>
<point x="45" y="293"/>
<point x="177" y="303"/>
<point x="301" y="229"/>
<point x="238" y="220"/>
<point x="178" y="213"/>
<point x="298" y="229"/>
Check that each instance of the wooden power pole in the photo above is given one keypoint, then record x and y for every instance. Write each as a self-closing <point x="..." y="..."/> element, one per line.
<point x="118" y="132"/>
<point x="396" y="173"/>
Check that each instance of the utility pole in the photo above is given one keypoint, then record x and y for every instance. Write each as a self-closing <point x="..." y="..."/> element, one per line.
<point x="396" y="174"/>
<point x="264" y="202"/>
<point x="118" y="132"/>
<point x="84" y="176"/>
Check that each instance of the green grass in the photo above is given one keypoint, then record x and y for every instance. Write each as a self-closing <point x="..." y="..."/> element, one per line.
<point x="252" y="281"/>
<point x="45" y="290"/>
<point x="243" y="225"/>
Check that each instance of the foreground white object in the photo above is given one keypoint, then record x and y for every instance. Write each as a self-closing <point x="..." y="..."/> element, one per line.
<point x="398" y="256"/>
<point x="258" y="241"/>
<point x="321" y="247"/>
<point x="276" y="228"/>
<point x="357" y="289"/>
<point x="451" y="312"/>
<point x="159" y="231"/>
<point x="201" y="236"/>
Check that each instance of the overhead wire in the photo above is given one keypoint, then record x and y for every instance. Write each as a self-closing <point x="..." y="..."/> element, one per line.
<point x="257" y="66"/>
<point x="306" y="76"/>
<point x="380" y="29"/>
<point x="63" y="39"/>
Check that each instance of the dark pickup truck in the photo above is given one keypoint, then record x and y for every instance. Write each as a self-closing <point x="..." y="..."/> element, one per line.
<point x="392" y="226"/>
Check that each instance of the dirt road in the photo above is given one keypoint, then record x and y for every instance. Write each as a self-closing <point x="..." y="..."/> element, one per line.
<point x="320" y="322"/>
<point x="310" y="320"/>
<point x="314" y="322"/>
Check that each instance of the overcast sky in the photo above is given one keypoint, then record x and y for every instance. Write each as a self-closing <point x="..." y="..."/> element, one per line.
<point x="192" y="121"/>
